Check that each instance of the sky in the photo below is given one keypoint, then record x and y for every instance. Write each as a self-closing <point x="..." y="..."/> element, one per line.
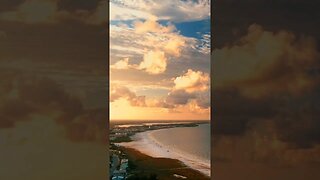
<point x="53" y="61"/>
<point x="266" y="90"/>
<point x="53" y="56"/>
<point x="159" y="60"/>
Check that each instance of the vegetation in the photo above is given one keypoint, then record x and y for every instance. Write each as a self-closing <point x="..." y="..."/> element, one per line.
<point x="143" y="177"/>
<point x="122" y="139"/>
<point x="144" y="167"/>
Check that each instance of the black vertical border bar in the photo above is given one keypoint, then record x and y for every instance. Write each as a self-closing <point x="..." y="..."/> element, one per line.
<point x="108" y="86"/>
<point x="211" y="85"/>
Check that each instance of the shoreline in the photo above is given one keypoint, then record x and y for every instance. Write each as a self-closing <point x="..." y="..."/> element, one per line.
<point x="162" y="168"/>
<point x="145" y="143"/>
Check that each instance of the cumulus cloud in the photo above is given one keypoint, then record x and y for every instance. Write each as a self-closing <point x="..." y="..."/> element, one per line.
<point x="154" y="62"/>
<point x="122" y="64"/>
<point x="182" y="98"/>
<point x="190" y="90"/>
<point x="179" y="97"/>
<point x="265" y="100"/>
<point x="262" y="144"/>
<point x="155" y="42"/>
<point x="162" y="37"/>
<point x="192" y="81"/>
<point x="161" y="50"/>
<point x="266" y="59"/>
<point x="175" y="45"/>
<point x="151" y="25"/>
<point x="195" y="97"/>
<point x="118" y="92"/>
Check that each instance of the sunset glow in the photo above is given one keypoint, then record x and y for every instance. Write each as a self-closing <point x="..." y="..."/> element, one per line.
<point x="159" y="60"/>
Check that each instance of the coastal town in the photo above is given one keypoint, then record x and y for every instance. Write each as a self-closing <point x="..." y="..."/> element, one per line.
<point x="122" y="164"/>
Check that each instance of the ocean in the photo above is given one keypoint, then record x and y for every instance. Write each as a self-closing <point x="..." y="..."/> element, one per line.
<point x="192" y="143"/>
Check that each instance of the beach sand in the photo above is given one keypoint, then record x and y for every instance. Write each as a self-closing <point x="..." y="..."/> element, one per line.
<point x="164" y="168"/>
<point x="145" y="144"/>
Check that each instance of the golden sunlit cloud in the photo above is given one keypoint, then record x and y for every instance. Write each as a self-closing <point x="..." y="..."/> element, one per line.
<point x="192" y="81"/>
<point x="121" y="92"/>
<point x="145" y="53"/>
<point x="162" y="44"/>
<point x="118" y="107"/>
<point x="154" y="62"/>
<point x="174" y="46"/>
<point x="122" y="64"/>
<point x="151" y="25"/>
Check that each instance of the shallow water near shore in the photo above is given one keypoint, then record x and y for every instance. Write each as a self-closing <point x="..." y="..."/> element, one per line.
<point x="190" y="145"/>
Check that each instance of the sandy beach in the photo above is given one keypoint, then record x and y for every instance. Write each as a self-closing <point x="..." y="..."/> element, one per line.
<point x="146" y="143"/>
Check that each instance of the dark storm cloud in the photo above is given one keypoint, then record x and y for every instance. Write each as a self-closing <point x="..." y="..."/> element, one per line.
<point x="73" y="5"/>
<point x="292" y="92"/>
<point x="68" y="46"/>
<point x="298" y="121"/>
<point x="232" y="111"/>
<point x="265" y="121"/>
<point x="9" y="4"/>
<point x="24" y="97"/>
<point x="255" y="75"/>
<point x="53" y="90"/>
<point x="56" y="12"/>
<point x="295" y="118"/>
<point x="231" y="17"/>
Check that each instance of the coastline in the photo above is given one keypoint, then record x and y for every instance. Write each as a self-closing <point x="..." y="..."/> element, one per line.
<point x="145" y="143"/>
<point x="163" y="168"/>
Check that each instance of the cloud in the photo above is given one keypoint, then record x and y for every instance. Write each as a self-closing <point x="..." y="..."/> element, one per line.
<point x="3" y="34"/>
<point x="205" y="44"/>
<point x="25" y="97"/>
<point x="267" y="62"/>
<point x="265" y="100"/>
<point x="48" y="11"/>
<point x="155" y="42"/>
<point x="175" y="45"/>
<point x="154" y="62"/>
<point x="151" y="25"/>
<point x="192" y="81"/>
<point x="70" y="5"/>
<point x="193" y="98"/>
<point x="118" y="92"/>
<point x="179" y="97"/>
<point x="122" y="64"/>
<point x="166" y="10"/>
<point x="32" y="12"/>
<point x="158" y="49"/>
<point x="261" y="143"/>
<point x="232" y="110"/>
<point x="121" y="11"/>
<point x="29" y="143"/>
<point x="190" y="91"/>
<point x="191" y="101"/>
